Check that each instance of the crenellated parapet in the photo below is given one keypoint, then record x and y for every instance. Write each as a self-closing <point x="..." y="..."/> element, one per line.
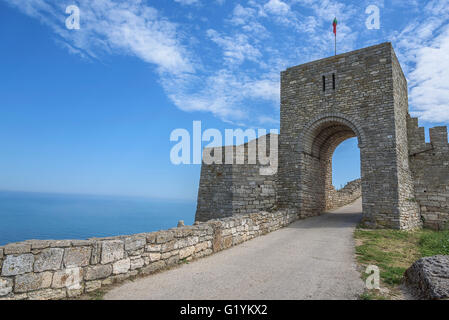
<point x="429" y="163"/>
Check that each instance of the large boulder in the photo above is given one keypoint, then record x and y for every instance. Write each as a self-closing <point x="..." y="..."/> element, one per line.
<point x="428" y="278"/>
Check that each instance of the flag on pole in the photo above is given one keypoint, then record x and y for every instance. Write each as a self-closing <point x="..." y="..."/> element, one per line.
<point x="335" y="33"/>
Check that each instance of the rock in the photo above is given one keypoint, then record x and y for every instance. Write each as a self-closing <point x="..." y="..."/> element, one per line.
<point x="92" y="285"/>
<point x="32" y="281"/>
<point x="77" y="256"/>
<point x="136" y="263"/>
<point x="1" y="253"/>
<point x="153" y="248"/>
<point x="68" y="278"/>
<point x="5" y="286"/>
<point x="153" y="256"/>
<point x="164" y="236"/>
<point x="39" y="244"/>
<point x="153" y="267"/>
<point x="121" y="266"/>
<point x="82" y="243"/>
<point x="60" y="243"/>
<point x="180" y="223"/>
<point x="96" y="253"/>
<point x="48" y="259"/>
<point x="17" y="248"/>
<point x="47" y="294"/>
<point x="111" y="251"/>
<point x="428" y="278"/>
<point x="132" y="243"/>
<point x="201" y="246"/>
<point x="98" y="272"/>
<point x="14" y="265"/>
<point x="186" y="252"/>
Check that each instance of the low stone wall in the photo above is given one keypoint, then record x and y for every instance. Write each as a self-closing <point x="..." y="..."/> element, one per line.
<point x="58" y="269"/>
<point x="339" y="198"/>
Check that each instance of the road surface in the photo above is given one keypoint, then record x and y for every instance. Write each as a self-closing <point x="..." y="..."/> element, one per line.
<point x="310" y="259"/>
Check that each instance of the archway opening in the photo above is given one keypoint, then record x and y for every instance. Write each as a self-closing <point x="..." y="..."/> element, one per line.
<point x="320" y="143"/>
<point x="345" y="185"/>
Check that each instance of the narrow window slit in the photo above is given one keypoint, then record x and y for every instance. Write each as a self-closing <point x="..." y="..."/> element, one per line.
<point x="324" y="83"/>
<point x="333" y="81"/>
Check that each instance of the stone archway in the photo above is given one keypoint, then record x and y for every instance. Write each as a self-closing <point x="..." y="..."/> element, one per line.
<point x="318" y="141"/>
<point x="360" y="94"/>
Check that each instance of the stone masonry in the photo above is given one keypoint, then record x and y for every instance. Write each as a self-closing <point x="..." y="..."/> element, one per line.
<point x="361" y="94"/>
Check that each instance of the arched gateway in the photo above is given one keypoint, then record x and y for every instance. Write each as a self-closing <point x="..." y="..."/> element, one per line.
<point x="359" y="94"/>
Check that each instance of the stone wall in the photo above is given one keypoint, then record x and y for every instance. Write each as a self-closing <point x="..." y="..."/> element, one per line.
<point x="348" y="194"/>
<point x="58" y="269"/>
<point x="226" y="190"/>
<point x="429" y="164"/>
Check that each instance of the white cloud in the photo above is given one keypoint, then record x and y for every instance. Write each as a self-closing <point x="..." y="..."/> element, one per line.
<point x="429" y="94"/>
<point x="423" y="49"/>
<point x="187" y="2"/>
<point x="277" y="7"/>
<point x="129" y="28"/>
<point x="236" y="49"/>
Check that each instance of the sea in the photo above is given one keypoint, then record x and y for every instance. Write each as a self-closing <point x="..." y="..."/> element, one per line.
<point x="26" y="216"/>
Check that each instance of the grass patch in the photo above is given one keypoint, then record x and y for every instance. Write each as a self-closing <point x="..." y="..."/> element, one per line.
<point x="394" y="251"/>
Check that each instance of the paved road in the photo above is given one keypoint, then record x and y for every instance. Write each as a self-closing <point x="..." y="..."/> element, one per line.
<point x="310" y="259"/>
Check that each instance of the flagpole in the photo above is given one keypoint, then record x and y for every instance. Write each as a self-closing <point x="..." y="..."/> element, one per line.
<point x="335" y="43"/>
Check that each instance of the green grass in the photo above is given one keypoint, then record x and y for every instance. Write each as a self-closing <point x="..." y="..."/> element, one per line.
<point x="434" y="243"/>
<point x="394" y="251"/>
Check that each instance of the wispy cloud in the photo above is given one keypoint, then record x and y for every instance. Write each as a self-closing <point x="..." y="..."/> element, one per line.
<point x="231" y="68"/>
<point x="423" y="48"/>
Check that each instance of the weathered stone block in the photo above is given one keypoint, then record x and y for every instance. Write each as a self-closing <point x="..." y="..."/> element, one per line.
<point x="136" y="263"/>
<point x="154" y="256"/>
<point x="82" y="243"/>
<point x="153" y="267"/>
<point x="77" y="256"/>
<point x="98" y="272"/>
<point x="201" y="246"/>
<point x="48" y="259"/>
<point x="39" y="244"/>
<point x="47" y="294"/>
<point x="186" y="252"/>
<point x="6" y="286"/>
<point x="153" y="248"/>
<point x="60" y="243"/>
<point x="96" y="253"/>
<point x="164" y="236"/>
<point x="111" y="251"/>
<point x="92" y="285"/>
<point x="32" y="281"/>
<point x="14" y="265"/>
<point x="428" y="277"/>
<point x="70" y="278"/>
<point x="17" y="248"/>
<point x="134" y="243"/>
<point x="121" y="266"/>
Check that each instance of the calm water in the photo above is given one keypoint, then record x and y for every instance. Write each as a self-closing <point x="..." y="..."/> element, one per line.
<point x="25" y="216"/>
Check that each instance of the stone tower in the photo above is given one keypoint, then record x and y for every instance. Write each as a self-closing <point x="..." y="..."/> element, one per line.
<point x="361" y="94"/>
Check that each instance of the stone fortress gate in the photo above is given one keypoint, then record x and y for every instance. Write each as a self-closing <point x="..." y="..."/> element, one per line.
<point x="363" y="94"/>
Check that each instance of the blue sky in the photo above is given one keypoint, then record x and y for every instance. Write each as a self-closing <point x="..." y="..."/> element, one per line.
<point x="91" y="110"/>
